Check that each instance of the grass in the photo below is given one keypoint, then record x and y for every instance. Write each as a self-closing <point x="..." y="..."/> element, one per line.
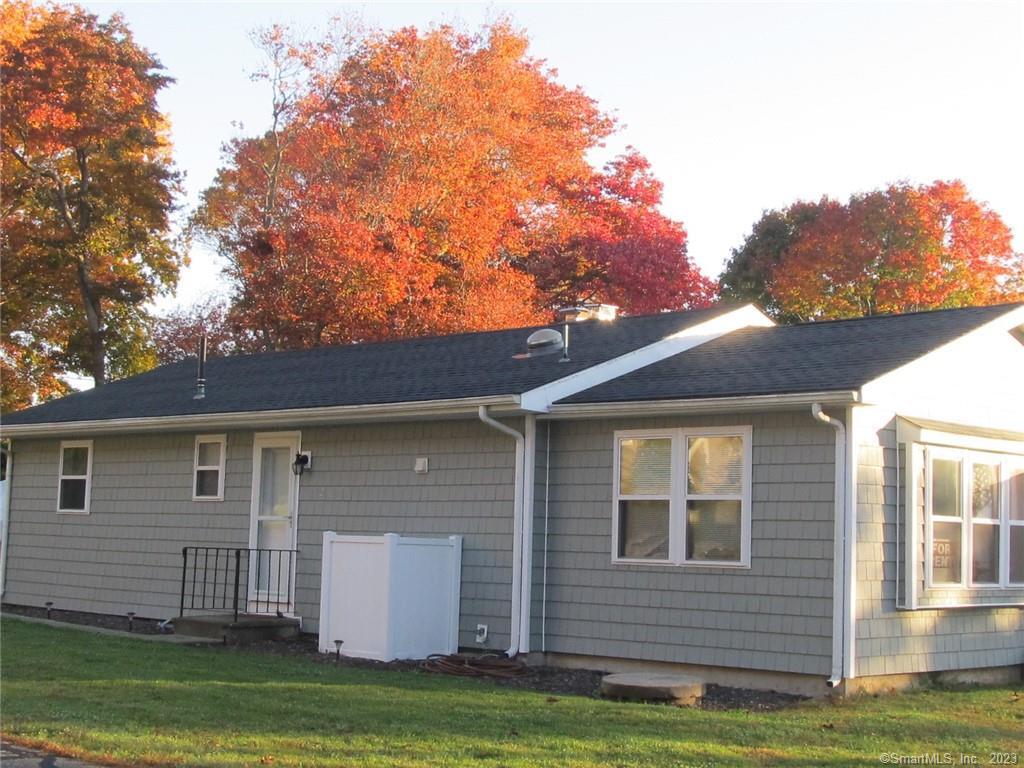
<point x="132" y="702"/>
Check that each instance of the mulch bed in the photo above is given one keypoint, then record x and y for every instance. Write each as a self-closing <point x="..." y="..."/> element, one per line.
<point x="105" y="620"/>
<point x="550" y="680"/>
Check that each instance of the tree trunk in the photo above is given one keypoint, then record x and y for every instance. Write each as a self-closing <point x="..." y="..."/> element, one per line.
<point x="93" y="317"/>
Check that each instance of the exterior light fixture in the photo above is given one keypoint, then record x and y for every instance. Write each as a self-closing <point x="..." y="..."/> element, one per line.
<point x="301" y="464"/>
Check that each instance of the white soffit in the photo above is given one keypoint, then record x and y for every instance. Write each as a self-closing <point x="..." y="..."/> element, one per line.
<point x="541" y="398"/>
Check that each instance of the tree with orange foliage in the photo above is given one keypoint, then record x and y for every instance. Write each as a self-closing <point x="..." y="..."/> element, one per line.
<point x="432" y="182"/>
<point x="88" y="186"/>
<point x="898" y="249"/>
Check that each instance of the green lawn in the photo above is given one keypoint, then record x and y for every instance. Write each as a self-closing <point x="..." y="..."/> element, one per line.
<point x="133" y="702"/>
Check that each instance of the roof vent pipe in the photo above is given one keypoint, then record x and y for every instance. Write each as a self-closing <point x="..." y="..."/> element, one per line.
<point x="201" y="372"/>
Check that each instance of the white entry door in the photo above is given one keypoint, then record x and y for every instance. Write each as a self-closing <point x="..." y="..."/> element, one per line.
<point x="273" y="527"/>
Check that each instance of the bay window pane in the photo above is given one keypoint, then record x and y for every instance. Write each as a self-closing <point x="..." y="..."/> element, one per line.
<point x="1017" y="554"/>
<point x="946" y="553"/>
<point x="643" y="529"/>
<point x="946" y="487"/>
<point x="207" y="482"/>
<point x="713" y="530"/>
<point x="76" y="461"/>
<point x="1016" y="484"/>
<point x="985" y="558"/>
<point x="209" y="454"/>
<point x="72" y="493"/>
<point x="985" y="491"/>
<point x="645" y="466"/>
<point x="715" y="465"/>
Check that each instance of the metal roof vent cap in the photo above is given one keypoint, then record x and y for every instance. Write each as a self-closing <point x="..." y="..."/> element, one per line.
<point x="546" y="341"/>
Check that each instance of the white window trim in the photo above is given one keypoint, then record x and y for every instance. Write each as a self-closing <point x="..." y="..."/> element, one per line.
<point x="678" y="496"/>
<point x="223" y="441"/>
<point x="967" y="457"/>
<point x="88" y="476"/>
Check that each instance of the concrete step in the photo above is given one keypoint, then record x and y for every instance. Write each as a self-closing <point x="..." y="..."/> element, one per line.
<point x="250" y="628"/>
<point x="640" y="686"/>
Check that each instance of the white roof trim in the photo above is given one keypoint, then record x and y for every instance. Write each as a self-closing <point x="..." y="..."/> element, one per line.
<point x="700" y="405"/>
<point x="542" y="398"/>
<point x="290" y="417"/>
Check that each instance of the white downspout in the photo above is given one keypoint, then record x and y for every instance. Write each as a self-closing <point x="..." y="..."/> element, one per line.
<point x="517" y="528"/>
<point x="6" y="525"/>
<point x="838" y="548"/>
<point x="529" y="492"/>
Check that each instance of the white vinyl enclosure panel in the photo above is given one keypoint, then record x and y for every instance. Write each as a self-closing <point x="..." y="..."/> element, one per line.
<point x="390" y="597"/>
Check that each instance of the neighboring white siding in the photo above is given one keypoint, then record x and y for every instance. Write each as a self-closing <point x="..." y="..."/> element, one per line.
<point x="776" y="615"/>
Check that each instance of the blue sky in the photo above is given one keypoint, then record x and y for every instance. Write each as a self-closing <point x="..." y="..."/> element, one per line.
<point x="739" y="106"/>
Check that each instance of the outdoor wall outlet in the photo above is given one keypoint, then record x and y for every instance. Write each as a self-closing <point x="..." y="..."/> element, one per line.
<point x="481" y="633"/>
<point x="420" y="467"/>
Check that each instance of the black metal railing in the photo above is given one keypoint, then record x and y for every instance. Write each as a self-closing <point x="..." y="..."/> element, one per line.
<point x="236" y="580"/>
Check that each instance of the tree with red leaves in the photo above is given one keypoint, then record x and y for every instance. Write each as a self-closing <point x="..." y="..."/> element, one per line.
<point x="432" y="182"/>
<point x="899" y="249"/>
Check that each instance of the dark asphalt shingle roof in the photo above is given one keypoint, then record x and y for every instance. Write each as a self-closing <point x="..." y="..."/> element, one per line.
<point x="811" y="357"/>
<point x="435" y="368"/>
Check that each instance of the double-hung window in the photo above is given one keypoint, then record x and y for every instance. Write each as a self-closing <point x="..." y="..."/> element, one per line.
<point x="74" y="485"/>
<point x="208" y="480"/>
<point x="682" y="496"/>
<point x="974" y="505"/>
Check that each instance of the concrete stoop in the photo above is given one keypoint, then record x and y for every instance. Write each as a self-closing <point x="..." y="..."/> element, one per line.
<point x="641" y="686"/>
<point x="249" y="628"/>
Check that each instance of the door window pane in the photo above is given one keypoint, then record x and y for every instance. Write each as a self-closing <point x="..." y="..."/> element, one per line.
<point x="275" y="477"/>
<point x="715" y="465"/>
<point x="946" y="553"/>
<point x="76" y="461"/>
<point x="72" y="493"/>
<point x="713" y="530"/>
<point x="1017" y="554"/>
<point x="985" y="558"/>
<point x="985" y="491"/>
<point x="643" y="529"/>
<point x="645" y="467"/>
<point x="946" y="487"/>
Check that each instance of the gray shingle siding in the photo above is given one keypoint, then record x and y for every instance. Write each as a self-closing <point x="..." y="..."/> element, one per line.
<point x="126" y="554"/>
<point x="775" y="616"/>
<point x="890" y="640"/>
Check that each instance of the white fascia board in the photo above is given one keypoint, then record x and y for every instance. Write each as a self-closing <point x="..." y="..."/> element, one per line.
<point x="541" y="399"/>
<point x="700" y="405"/>
<point x="290" y="417"/>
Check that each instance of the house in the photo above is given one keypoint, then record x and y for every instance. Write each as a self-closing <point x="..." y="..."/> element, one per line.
<point x="834" y="504"/>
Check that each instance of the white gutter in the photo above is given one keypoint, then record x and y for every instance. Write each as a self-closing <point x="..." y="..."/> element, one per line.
<point x="839" y="568"/>
<point x="700" y="405"/>
<point x="291" y="417"/>
<point x="6" y="525"/>
<point x="517" y="529"/>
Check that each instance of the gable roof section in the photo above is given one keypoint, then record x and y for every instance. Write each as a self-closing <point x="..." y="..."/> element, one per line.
<point x="456" y="367"/>
<point x="841" y="355"/>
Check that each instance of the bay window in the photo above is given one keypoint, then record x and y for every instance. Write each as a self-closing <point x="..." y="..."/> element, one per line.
<point x="974" y="504"/>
